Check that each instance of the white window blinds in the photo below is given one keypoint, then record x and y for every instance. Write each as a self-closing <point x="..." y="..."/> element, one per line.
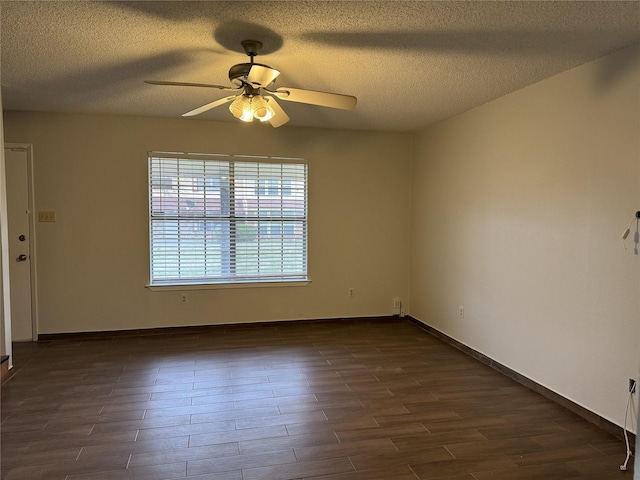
<point x="227" y="219"/>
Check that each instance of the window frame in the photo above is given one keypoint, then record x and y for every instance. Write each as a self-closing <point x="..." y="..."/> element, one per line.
<point x="298" y="278"/>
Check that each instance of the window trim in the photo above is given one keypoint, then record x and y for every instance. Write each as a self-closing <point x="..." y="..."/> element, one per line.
<point x="182" y="287"/>
<point x="250" y="282"/>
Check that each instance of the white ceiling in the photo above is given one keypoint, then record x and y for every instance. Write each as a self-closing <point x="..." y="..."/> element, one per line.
<point x="410" y="63"/>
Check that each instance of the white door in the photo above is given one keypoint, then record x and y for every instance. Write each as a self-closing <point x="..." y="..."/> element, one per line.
<point x="19" y="216"/>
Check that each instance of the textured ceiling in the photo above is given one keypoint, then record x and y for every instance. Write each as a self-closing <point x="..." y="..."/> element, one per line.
<point x="409" y="63"/>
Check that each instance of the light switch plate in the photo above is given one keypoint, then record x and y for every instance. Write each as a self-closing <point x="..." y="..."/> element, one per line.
<point x="46" y="216"/>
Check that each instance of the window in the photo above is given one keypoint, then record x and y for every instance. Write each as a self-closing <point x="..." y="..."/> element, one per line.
<point x="208" y="183"/>
<point x="273" y="187"/>
<point x="163" y="183"/>
<point x="227" y="219"/>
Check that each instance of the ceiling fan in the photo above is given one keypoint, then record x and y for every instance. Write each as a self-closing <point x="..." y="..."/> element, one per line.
<point x="254" y="99"/>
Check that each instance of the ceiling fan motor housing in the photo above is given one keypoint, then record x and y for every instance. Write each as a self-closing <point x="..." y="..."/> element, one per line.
<point x="238" y="73"/>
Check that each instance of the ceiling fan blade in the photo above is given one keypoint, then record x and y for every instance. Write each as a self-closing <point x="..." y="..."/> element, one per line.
<point x="323" y="99"/>
<point x="209" y="106"/>
<point x="262" y="75"/>
<point x="280" y="117"/>
<point x="188" y="84"/>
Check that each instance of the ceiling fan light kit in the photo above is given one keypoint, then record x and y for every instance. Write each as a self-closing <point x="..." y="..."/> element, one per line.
<point x="250" y="79"/>
<point x="246" y="108"/>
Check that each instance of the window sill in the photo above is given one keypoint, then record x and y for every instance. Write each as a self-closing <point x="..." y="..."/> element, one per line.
<point x="223" y="286"/>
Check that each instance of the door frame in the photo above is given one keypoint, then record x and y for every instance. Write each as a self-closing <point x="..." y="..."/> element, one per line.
<point x="28" y="148"/>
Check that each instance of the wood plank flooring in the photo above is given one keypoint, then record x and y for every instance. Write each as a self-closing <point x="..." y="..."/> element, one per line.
<point x="376" y="399"/>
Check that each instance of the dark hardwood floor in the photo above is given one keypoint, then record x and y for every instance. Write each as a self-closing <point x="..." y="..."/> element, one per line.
<point x="344" y="400"/>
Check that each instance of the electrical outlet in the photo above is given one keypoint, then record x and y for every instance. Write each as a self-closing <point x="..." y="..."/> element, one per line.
<point x="461" y="311"/>
<point x="352" y="291"/>
<point x="632" y="385"/>
<point x="397" y="307"/>
<point x="183" y="298"/>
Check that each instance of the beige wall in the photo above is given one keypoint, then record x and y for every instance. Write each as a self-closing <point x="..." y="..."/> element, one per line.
<point x="5" y="304"/>
<point x="518" y="209"/>
<point x="93" y="262"/>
